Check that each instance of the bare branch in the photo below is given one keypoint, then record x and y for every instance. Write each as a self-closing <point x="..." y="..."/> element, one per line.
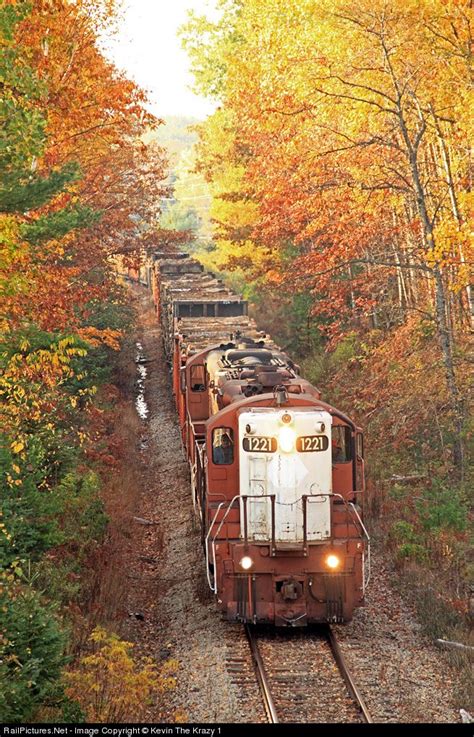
<point x="366" y="87"/>
<point x="99" y="126"/>
<point x="341" y="95"/>
<point x="441" y="36"/>
<point x="384" y="185"/>
<point x="372" y="262"/>
<point x="299" y="111"/>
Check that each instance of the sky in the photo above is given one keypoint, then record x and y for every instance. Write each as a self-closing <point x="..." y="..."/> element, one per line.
<point x="149" y="52"/>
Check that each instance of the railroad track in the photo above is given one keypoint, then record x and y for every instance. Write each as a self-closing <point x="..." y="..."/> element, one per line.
<point x="303" y="677"/>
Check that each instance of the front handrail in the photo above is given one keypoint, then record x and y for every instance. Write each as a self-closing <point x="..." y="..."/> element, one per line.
<point x="212" y="586"/>
<point x="366" y="562"/>
<point x="365" y="577"/>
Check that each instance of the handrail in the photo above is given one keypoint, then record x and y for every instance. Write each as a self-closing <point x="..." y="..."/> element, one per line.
<point x="229" y="507"/>
<point x="365" y="580"/>
<point x="213" y="586"/>
<point x="365" y="563"/>
<point x="304" y="498"/>
<point x="192" y="422"/>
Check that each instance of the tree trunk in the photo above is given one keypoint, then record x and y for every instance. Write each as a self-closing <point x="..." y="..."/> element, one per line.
<point x="446" y="348"/>
<point x="444" y="335"/>
<point x="455" y="210"/>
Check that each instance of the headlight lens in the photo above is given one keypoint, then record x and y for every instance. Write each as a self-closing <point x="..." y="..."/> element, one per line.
<point x="332" y="562"/>
<point x="246" y="562"/>
<point x="286" y="438"/>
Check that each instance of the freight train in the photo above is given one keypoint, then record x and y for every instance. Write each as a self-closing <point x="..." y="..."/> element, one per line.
<point x="277" y="474"/>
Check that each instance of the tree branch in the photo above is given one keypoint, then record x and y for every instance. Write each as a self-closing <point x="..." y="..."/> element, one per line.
<point x="372" y="262"/>
<point x="341" y="95"/>
<point x="366" y="87"/>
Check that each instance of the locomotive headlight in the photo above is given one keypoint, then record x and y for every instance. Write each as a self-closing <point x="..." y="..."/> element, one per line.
<point x="246" y="562"/>
<point x="286" y="439"/>
<point x="332" y="561"/>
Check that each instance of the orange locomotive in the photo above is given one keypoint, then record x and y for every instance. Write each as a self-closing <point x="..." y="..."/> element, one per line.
<point x="277" y="474"/>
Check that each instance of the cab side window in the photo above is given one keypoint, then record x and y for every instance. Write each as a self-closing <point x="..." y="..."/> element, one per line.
<point x="223" y="446"/>
<point x="341" y="444"/>
<point x="198" y="378"/>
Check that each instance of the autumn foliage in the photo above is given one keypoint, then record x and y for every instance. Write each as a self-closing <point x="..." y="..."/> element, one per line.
<point x="338" y="160"/>
<point x="77" y="186"/>
<point x="109" y="686"/>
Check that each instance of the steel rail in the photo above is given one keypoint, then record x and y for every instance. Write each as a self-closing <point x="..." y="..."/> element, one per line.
<point x="268" y="702"/>
<point x="347" y="676"/>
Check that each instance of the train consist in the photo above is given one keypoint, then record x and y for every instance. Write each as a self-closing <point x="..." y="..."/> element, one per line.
<point x="277" y="474"/>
